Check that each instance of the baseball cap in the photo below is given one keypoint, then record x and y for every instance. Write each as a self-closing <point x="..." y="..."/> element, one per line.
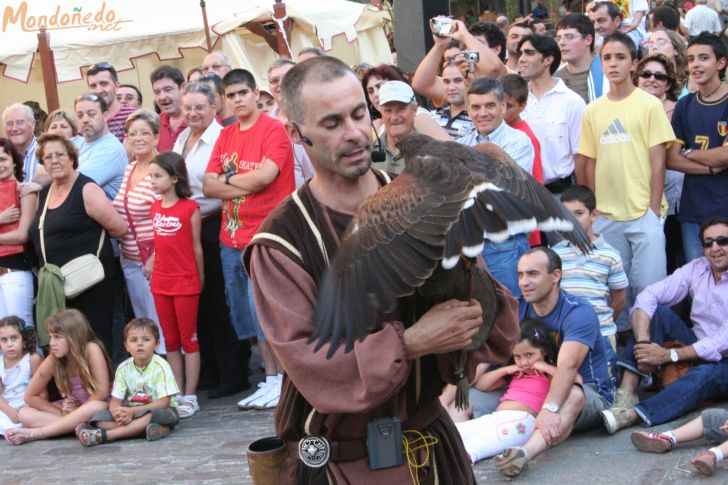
<point x="396" y="91"/>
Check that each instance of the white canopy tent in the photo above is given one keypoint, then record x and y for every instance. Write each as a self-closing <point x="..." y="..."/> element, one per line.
<point x="135" y="36"/>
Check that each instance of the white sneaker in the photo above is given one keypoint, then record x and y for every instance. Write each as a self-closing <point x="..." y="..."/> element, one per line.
<point x="269" y="400"/>
<point x="262" y="389"/>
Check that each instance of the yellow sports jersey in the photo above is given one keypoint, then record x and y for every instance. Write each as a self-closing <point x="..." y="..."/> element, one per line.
<point x="619" y="135"/>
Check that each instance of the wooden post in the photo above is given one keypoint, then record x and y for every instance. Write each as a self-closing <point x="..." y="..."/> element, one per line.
<point x="279" y="12"/>
<point x="49" y="69"/>
<point x="207" y="27"/>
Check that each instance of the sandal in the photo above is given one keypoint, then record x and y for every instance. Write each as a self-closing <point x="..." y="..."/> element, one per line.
<point x="512" y="462"/>
<point x="187" y="407"/>
<point x="81" y="427"/>
<point x="91" y="436"/>
<point x="20" y="436"/>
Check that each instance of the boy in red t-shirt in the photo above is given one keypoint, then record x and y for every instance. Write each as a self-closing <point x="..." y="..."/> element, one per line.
<point x="251" y="170"/>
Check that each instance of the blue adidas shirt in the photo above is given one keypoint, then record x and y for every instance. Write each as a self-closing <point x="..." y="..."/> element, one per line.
<point x="574" y="320"/>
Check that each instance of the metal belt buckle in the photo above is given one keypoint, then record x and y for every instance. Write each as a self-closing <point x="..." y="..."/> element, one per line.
<point x="314" y="451"/>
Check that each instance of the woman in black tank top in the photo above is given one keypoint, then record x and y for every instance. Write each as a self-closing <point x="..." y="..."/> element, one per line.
<point x="77" y="212"/>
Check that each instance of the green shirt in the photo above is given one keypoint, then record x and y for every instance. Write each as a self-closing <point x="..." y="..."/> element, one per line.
<point x="136" y="386"/>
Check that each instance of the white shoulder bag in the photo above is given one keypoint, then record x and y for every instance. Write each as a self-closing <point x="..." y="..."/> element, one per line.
<point x="80" y="273"/>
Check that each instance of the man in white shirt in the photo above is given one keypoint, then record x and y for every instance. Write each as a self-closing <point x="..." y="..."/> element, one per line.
<point x="553" y="112"/>
<point x="702" y="18"/>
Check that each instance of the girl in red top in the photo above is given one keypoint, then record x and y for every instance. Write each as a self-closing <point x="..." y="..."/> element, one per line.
<point x="176" y="271"/>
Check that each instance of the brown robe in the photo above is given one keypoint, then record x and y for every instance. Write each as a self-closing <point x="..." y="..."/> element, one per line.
<point x="337" y="397"/>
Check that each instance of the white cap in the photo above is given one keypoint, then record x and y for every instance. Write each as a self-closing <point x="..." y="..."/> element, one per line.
<point x="396" y="91"/>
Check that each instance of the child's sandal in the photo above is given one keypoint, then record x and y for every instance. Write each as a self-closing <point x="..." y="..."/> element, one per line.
<point x="81" y="426"/>
<point x="91" y="436"/>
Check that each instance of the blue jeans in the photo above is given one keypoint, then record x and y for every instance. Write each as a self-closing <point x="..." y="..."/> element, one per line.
<point x="665" y="326"/>
<point x="502" y="260"/>
<point x="691" y="240"/>
<point x="239" y="294"/>
<point x="707" y="381"/>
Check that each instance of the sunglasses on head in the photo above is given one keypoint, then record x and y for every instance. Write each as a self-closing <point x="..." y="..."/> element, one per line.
<point x="659" y="76"/>
<point x="721" y="240"/>
<point x="101" y="65"/>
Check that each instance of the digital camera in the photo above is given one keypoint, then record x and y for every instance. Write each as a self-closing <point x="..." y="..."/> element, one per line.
<point x="472" y="57"/>
<point x="441" y="26"/>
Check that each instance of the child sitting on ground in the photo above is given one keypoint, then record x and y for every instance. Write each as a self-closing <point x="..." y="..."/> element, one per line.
<point x="598" y="276"/>
<point x="143" y="395"/>
<point x="712" y="425"/>
<point x="528" y="379"/>
<point x="80" y="367"/>
<point x="19" y="362"/>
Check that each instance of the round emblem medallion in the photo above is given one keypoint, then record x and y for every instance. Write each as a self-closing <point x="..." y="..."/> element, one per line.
<point x="314" y="451"/>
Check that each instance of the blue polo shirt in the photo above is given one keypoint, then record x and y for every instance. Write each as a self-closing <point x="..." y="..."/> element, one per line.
<point x="574" y="320"/>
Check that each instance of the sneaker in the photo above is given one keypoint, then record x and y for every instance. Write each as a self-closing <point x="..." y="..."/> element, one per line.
<point x="705" y="463"/>
<point x="187" y="406"/>
<point x="651" y="442"/>
<point x="615" y="419"/>
<point x="262" y="389"/>
<point x="269" y="400"/>
<point x="156" y="431"/>
<point x="625" y="399"/>
<point x="512" y="462"/>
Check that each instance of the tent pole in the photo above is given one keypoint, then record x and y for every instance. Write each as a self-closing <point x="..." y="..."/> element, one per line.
<point x="49" y="69"/>
<point x="279" y="13"/>
<point x="203" y="6"/>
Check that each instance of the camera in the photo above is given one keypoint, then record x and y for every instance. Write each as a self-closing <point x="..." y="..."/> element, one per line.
<point x="441" y="26"/>
<point x="472" y="57"/>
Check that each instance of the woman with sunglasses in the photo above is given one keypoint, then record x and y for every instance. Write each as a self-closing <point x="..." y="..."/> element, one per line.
<point x="655" y="74"/>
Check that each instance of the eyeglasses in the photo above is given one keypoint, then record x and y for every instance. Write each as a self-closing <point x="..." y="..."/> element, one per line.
<point x="655" y="43"/>
<point x="568" y="37"/>
<point x="141" y="134"/>
<point x="721" y="240"/>
<point x="659" y="76"/>
<point x="197" y="109"/>
<point x="18" y="123"/>
<point x="57" y="156"/>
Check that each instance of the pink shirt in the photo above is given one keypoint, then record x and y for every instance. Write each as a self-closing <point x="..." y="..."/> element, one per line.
<point x="709" y="311"/>
<point x="528" y="389"/>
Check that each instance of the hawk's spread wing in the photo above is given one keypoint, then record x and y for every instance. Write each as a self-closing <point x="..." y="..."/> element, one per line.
<point x="446" y="201"/>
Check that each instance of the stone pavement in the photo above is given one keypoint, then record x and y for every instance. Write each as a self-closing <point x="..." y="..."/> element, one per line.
<point x="210" y="448"/>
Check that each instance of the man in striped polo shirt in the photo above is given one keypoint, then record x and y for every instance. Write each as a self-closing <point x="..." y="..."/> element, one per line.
<point x="103" y="81"/>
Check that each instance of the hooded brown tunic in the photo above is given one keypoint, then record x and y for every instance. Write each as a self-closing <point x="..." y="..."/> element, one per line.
<point x="337" y="397"/>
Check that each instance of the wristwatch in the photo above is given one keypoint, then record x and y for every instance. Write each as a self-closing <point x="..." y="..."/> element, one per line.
<point x="227" y="177"/>
<point x="551" y="406"/>
<point x="687" y="152"/>
<point x="673" y="355"/>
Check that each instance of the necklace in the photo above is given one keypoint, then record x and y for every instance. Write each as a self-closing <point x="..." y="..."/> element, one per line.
<point x="705" y="98"/>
